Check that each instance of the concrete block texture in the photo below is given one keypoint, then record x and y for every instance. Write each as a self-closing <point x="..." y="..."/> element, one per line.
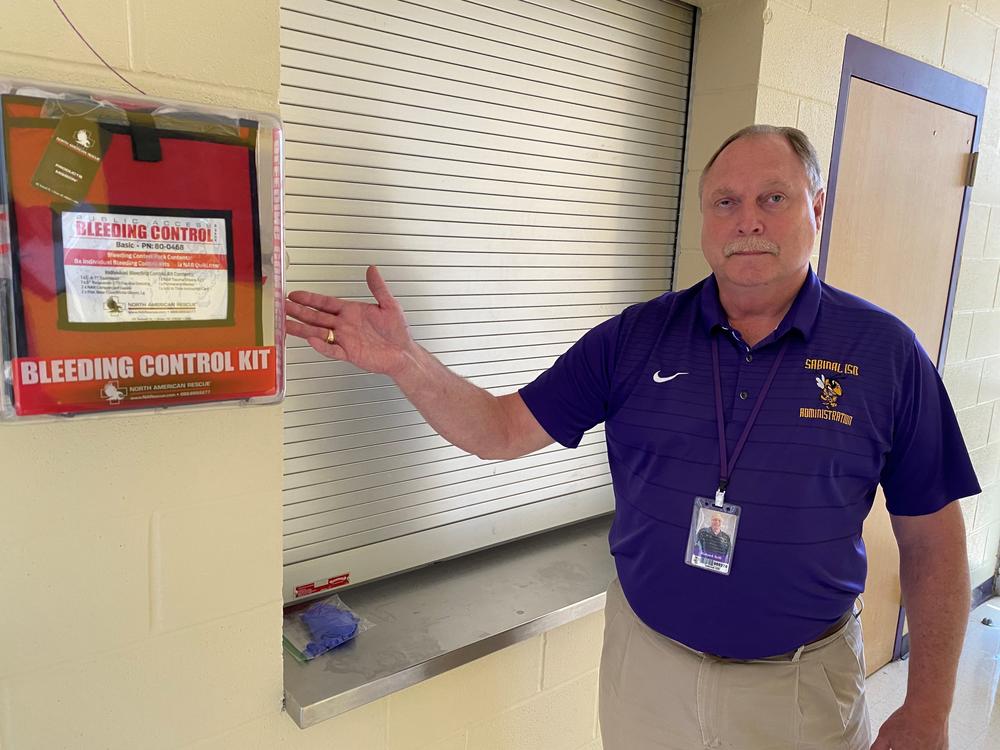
<point x="976" y="548"/>
<point x="211" y="559"/>
<point x="976" y="229"/>
<point x="802" y="53"/>
<point x="977" y="284"/>
<point x="572" y="650"/>
<point x="992" y="549"/>
<point x="79" y="495"/>
<point x="60" y="475"/>
<point x="436" y="709"/>
<point x="986" y="462"/>
<point x="962" y="381"/>
<point x="958" y="337"/>
<point x="363" y="728"/>
<point x="984" y="572"/>
<point x="989" y="9"/>
<point x="776" y="107"/>
<point x="991" y="248"/>
<point x="800" y="4"/>
<point x="969" y="506"/>
<point x="989" y="137"/>
<point x="987" y="187"/>
<point x="558" y="719"/>
<point x="96" y="76"/>
<point x="720" y="114"/>
<point x="37" y="29"/>
<point x="165" y="693"/>
<point x="728" y="52"/>
<point x="968" y="49"/>
<point x="817" y="120"/>
<point x="995" y="428"/>
<point x="918" y="29"/>
<point x="975" y="423"/>
<point x="988" y="507"/>
<point x="459" y="741"/>
<point x="182" y="37"/>
<point x="865" y="18"/>
<point x="984" y="339"/>
<point x="74" y="593"/>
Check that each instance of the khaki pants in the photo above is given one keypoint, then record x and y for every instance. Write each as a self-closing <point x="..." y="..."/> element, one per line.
<point x="657" y="693"/>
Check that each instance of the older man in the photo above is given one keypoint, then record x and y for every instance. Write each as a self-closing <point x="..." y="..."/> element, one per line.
<point x="712" y="540"/>
<point x="765" y="397"/>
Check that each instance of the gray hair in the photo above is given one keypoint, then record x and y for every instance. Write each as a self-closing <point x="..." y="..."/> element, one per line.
<point x="799" y="142"/>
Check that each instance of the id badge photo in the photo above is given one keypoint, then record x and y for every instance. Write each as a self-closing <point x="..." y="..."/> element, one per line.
<point x="712" y="537"/>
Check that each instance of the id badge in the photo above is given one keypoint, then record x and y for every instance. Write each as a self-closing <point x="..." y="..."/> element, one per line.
<point x="712" y="537"/>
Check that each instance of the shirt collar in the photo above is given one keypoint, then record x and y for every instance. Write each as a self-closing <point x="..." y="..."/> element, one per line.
<point x="800" y="316"/>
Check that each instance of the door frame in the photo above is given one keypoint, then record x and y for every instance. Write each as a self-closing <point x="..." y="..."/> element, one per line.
<point x="884" y="67"/>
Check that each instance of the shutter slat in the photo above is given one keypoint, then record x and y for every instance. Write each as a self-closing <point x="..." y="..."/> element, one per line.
<point x="419" y="478"/>
<point x="336" y="154"/>
<point x="514" y="169"/>
<point x="312" y="513"/>
<point x="312" y="51"/>
<point x="405" y="509"/>
<point x="351" y="541"/>
<point x="409" y="20"/>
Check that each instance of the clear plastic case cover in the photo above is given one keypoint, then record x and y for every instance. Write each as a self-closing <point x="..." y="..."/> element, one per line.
<point x="141" y="253"/>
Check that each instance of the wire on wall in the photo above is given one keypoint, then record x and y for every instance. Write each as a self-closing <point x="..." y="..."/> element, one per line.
<point x="91" y="47"/>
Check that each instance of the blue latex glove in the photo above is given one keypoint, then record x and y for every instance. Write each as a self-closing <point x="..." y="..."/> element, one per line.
<point x="329" y="627"/>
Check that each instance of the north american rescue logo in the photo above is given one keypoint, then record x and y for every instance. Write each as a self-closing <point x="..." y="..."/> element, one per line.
<point x="831" y="390"/>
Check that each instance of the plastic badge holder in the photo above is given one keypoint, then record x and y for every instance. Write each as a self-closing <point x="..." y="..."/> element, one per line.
<point x="140" y="253"/>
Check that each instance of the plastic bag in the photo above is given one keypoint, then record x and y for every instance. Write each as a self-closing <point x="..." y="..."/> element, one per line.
<point x="320" y="626"/>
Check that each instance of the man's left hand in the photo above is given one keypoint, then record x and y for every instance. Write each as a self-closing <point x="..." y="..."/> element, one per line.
<point x="912" y="729"/>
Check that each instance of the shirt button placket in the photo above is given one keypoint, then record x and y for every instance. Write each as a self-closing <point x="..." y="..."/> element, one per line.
<point x="742" y="394"/>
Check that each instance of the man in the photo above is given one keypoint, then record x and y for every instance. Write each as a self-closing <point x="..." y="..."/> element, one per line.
<point x="770" y="399"/>
<point x="712" y="540"/>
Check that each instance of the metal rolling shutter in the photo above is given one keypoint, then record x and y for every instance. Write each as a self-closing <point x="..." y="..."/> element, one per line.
<point x="513" y="167"/>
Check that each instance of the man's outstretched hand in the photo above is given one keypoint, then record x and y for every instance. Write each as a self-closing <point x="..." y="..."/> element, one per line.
<point x="373" y="337"/>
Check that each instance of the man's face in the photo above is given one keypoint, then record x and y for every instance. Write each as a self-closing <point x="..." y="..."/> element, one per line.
<point x="759" y="221"/>
<point x="716" y="524"/>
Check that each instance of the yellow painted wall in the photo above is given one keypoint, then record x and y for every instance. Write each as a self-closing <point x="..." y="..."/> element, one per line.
<point x="724" y="91"/>
<point x="119" y="533"/>
<point x="140" y="555"/>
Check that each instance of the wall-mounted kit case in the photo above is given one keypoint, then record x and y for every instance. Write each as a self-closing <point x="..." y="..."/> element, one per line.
<point x="140" y="253"/>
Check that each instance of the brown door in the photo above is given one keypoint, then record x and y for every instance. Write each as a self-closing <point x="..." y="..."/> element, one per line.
<point x="900" y="190"/>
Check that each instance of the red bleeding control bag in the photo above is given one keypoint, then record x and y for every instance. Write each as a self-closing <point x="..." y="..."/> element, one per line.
<point x="140" y="253"/>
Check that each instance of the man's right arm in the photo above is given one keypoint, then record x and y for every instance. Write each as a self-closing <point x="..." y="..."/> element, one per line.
<point x="466" y="415"/>
<point x="376" y="338"/>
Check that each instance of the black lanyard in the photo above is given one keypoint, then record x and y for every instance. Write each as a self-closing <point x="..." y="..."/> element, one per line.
<point x="727" y="463"/>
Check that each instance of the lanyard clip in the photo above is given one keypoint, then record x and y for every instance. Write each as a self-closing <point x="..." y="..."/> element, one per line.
<point x="720" y="494"/>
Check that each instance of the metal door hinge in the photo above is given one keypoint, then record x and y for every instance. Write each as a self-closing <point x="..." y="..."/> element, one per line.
<point x="973" y="163"/>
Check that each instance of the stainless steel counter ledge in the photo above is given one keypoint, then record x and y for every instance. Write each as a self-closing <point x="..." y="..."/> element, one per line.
<point x="436" y="618"/>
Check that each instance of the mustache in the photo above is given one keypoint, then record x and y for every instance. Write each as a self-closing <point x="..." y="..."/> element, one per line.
<point x="751" y="245"/>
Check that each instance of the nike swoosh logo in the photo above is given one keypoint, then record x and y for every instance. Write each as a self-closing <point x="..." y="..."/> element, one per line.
<point x="658" y="379"/>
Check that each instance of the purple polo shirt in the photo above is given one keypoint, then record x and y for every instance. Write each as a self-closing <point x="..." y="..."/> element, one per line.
<point x="855" y="402"/>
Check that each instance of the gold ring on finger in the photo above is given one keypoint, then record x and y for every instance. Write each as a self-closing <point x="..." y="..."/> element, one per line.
<point x="330" y="336"/>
